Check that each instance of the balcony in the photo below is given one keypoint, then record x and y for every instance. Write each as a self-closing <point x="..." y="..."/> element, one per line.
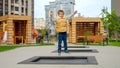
<point x="15" y="12"/>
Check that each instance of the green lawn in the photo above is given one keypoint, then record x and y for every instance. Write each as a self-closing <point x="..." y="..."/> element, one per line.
<point x="98" y="44"/>
<point x="41" y="44"/>
<point x="114" y="43"/>
<point x="10" y="47"/>
<point x="6" y="48"/>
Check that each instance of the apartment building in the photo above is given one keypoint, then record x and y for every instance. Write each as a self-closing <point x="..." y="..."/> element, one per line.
<point x="115" y="5"/>
<point x="66" y="5"/>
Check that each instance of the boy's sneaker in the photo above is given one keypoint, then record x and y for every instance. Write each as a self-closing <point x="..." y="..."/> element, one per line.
<point x="59" y="51"/>
<point x="66" y="51"/>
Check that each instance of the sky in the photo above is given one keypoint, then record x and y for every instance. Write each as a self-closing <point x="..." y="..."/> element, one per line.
<point x="87" y="8"/>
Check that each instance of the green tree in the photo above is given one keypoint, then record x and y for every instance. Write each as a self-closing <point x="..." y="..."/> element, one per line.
<point x="104" y="18"/>
<point x="111" y="22"/>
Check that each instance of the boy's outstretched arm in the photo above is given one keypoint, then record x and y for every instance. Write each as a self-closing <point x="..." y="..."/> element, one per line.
<point x="71" y="15"/>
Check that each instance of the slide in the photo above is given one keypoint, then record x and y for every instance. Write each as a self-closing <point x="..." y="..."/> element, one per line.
<point x="5" y="36"/>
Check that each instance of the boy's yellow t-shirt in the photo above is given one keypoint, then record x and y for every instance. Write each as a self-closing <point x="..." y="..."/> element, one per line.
<point x="61" y="24"/>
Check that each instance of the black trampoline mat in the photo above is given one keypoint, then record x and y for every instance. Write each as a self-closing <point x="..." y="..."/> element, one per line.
<point x="77" y="47"/>
<point x="80" y="50"/>
<point x="82" y="60"/>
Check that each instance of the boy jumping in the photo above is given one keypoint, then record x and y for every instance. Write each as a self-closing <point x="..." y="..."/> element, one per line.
<point x="61" y="29"/>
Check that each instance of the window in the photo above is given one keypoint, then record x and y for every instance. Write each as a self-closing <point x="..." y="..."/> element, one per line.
<point x="22" y="10"/>
<point x="26" y="3"/>
<point x="26" y="11"/>
<point x="12" y="1"/>
<point x="22" y="2"/>
<point x="12" y="13"/>
<point x="12" y="8"/>
<point x="1" y="1"/>
<point x="6" y="6"/>
<point x="1" y="8"/>
<point x="6" y="1"/>
<point x="17" y="1"/>
<point x="16" y="9"/>
<point x="1" y="14"/>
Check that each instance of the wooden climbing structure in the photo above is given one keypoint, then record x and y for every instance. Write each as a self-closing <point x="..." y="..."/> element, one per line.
<point x="80" y="25"/>
<point x="19" y="29"/>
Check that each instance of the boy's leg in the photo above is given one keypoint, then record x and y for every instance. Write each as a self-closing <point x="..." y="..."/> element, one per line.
<point x="65" y="42"/>
<point x="59" y="42"/>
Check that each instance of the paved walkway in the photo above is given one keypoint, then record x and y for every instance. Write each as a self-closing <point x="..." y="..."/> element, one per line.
<point x="108" y="57"/>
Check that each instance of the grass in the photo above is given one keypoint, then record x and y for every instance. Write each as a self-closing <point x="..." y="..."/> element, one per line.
<point x="6" y="48"/>
<point x="41" y="44"/>
<point x="98" y="44"/>
<point x="114" y="43"/>
<point x="10" y="47"/>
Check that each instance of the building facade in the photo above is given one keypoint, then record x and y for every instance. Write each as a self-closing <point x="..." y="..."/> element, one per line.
<point x="16" y="7"/>
<point x="115" y="5"/>
<point x="51" y="10"/>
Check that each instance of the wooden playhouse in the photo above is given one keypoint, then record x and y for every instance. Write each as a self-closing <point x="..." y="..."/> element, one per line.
<point x="19" y="28"/>
<point x="79" y="25"/>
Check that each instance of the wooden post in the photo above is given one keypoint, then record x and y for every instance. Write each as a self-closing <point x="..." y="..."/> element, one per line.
<point x="101" y="27"/>
<point x="74" y="40"/>
<point x="10" y="31"/>
<point x="29" y="31"/>
<point x="70" y="34"/>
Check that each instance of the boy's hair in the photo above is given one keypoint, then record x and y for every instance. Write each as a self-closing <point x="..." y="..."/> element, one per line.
<point x="60" y="11"/>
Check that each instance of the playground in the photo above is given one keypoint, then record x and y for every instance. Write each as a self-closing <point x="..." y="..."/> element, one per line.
<point x="89" y="41"/>
<point x="107" y="57"/>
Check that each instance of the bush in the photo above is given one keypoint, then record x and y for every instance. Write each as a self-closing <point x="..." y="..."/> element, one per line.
<point x="43" y="32"/>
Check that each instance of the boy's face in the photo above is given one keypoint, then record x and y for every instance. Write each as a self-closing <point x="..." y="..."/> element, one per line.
<point x="61" y="14"/>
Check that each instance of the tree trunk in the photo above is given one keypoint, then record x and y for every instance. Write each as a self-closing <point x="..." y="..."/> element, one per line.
<point x="115" y="34"/>
<point x="108" y="31"/>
